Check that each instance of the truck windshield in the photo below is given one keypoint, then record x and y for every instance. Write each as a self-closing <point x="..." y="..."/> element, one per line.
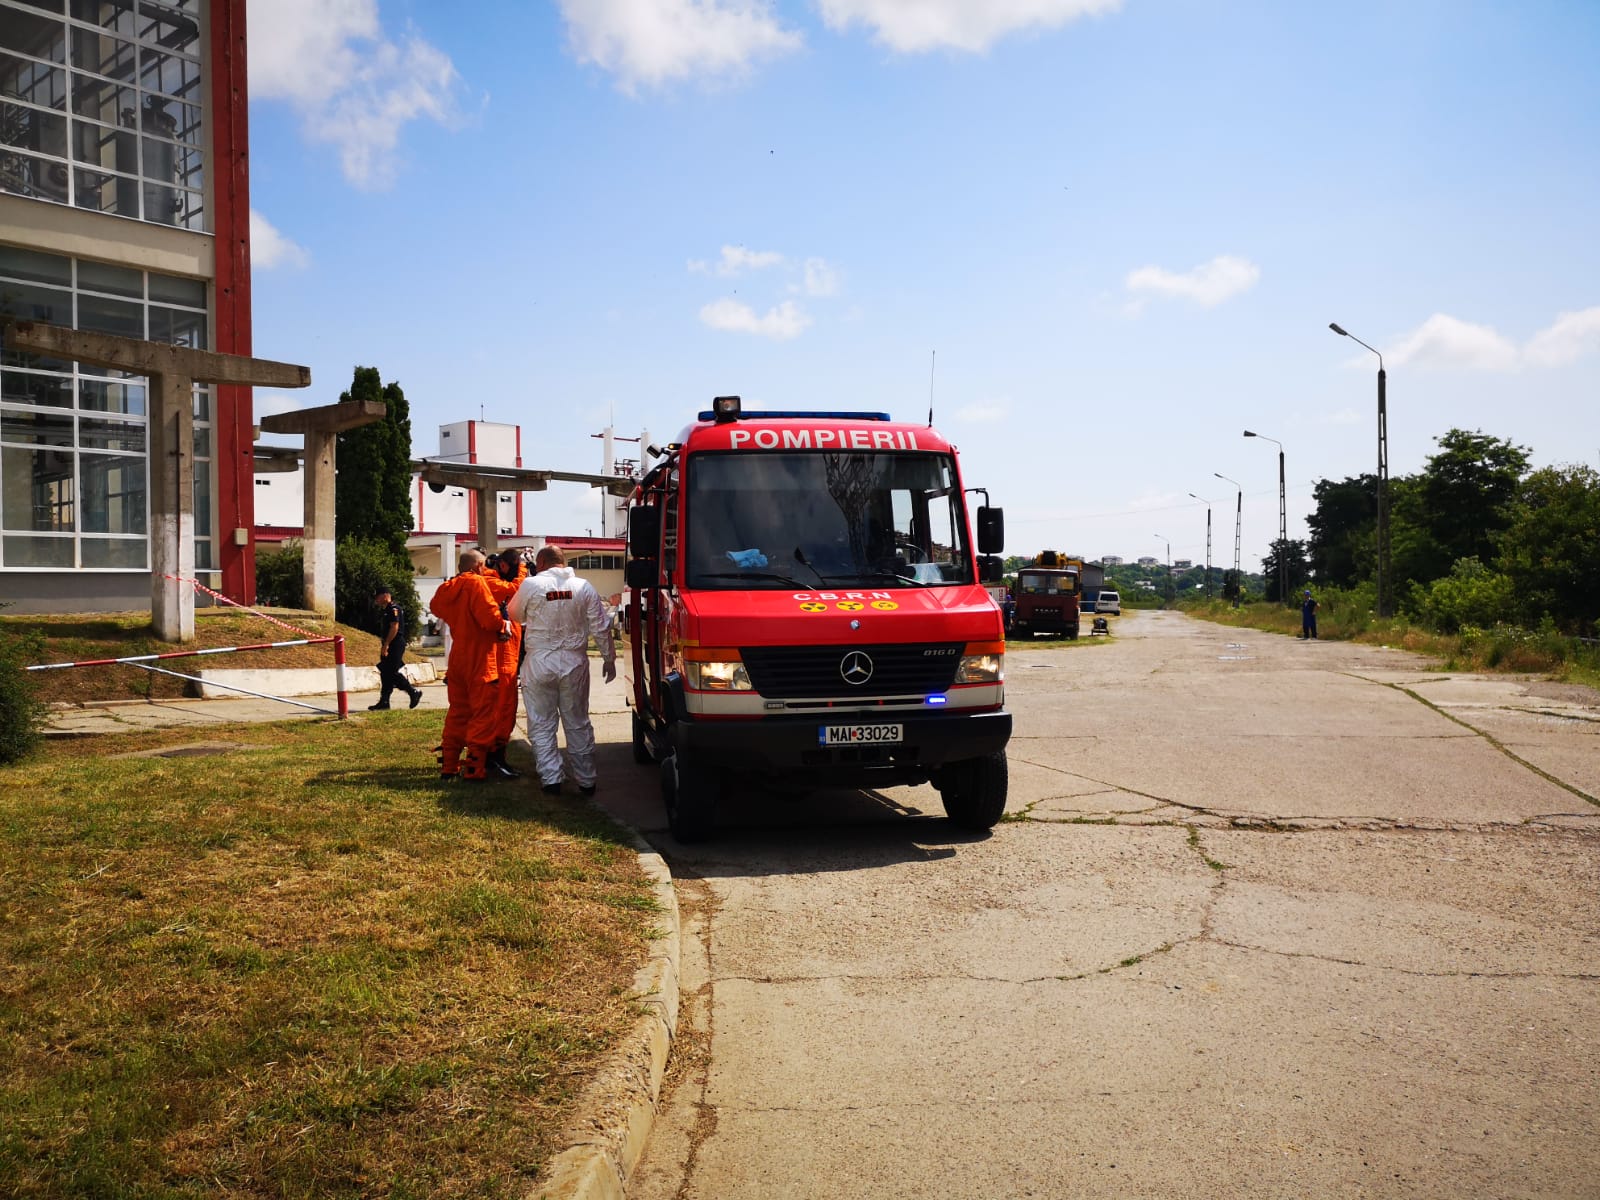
<point x="1046" y="583"/>
<point x="819" y="519"/>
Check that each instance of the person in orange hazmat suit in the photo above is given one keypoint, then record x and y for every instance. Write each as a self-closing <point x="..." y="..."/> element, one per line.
<point x="472" y="673"/>
<point x="505" y="572"/>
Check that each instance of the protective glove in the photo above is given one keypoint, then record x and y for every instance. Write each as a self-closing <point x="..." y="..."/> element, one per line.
<point x="608" y="672"/>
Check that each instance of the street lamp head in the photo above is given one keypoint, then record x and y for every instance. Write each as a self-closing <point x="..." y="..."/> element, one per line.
<point x="1248" y="433"/>
<point x="1337" y="330"/>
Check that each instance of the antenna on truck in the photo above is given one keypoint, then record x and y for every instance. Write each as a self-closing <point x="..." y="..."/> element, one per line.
<point x="933" y="361"/>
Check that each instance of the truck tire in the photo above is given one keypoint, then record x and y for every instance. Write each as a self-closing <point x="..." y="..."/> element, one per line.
<point x="641" y="747"/>
<point x="689" y="792"/>
<point x="974" y="791"/>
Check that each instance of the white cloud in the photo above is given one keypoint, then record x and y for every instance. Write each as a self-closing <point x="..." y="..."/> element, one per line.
<point x="1573" y="335"/>
<point x="912" y="26"/>
<point x="269" y="248"/>
<point x="1445" y="341"/>
<point x="783" y="322"/>
<point x="352" y="86"/>
<point x="821" y="279"/>
<point x="656" y="42"/>
<point x="1207" y="285"/>
<point x="984" y="412"/>
<point x="736" y="260"/>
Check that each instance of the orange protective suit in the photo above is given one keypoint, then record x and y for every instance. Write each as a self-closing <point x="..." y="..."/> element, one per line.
<point x="508" y="654"/>
<point x="472" y="679"/>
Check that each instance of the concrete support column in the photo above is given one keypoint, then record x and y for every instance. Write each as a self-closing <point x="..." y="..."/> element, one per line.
<point x="172" y="507"/>
<point x="319" y="520"/>
<point x="488" y="500"/>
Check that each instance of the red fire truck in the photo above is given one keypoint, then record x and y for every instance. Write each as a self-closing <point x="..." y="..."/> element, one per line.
<point x="806" y="608"/>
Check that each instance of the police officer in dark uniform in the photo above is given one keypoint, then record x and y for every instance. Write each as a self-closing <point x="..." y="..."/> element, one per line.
<point x="392" y="629"/>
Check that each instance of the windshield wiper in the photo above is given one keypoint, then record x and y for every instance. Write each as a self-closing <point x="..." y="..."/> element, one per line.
<point x="886" y="575"/>
<point x="751" y="575"/>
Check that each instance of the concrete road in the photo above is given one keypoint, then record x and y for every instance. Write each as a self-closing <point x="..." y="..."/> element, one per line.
<point x="1268" y="918"/>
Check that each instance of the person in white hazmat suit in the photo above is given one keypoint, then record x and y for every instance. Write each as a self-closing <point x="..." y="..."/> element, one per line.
<point x="559" y="612"/>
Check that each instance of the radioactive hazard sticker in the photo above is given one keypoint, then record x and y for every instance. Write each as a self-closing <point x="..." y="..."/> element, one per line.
<point x="851" y="606"/>
<point x="813" y="606"/>
<point x="884" y="605"/>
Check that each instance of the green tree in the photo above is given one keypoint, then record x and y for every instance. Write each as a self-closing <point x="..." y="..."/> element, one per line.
<point x="373" y="491"/>
<point x="1293" y="555"/>
<point x="1340" y="548"/>
<point x="1467" y="490"/>
<point x="1551" y="547"/>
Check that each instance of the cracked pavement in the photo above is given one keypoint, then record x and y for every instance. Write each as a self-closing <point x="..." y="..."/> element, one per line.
<point x="1265" y="918"/>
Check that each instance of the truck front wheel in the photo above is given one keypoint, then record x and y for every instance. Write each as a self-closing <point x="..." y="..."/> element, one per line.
<point x="974" y="790"/>
<point x="690" y="791"/>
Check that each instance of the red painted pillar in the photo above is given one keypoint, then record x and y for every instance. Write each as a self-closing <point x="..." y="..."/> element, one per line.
<point x="232" y="427"/>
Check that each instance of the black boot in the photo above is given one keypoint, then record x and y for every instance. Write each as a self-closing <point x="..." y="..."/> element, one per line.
<point x="498" y="767"/>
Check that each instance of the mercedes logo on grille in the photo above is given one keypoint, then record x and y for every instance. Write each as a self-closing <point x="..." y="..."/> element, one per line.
<point x="856" y="668"/>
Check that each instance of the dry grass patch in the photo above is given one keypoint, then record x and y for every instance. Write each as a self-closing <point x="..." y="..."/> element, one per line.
<point x="76" y="637"/>
<point x="296" y="969"/>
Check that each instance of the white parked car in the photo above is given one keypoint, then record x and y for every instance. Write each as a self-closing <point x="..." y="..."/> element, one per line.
<point x="1108" y="602"/>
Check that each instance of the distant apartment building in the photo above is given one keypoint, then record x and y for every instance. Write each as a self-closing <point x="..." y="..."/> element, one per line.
<point x="1111" y="560"/>
<point x="1182" y="564"/>
<point x="124" y="209"/>
<point x="1147" y="561"/>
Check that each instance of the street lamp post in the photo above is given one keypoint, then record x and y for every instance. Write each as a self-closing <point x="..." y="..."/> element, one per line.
<point x="1207" y="503"/>
<point x="1238" y="521"/>
<point x="1283" y="521"/>
<point x="1383" y="476"/>
<point x="1160" y="538"/>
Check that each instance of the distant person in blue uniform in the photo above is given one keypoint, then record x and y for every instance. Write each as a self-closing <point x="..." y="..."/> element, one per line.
<point x="1308" y="616"/>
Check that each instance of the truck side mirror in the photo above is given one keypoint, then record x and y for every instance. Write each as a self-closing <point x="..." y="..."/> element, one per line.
<point x="991" y="530"/>
<point x="640" y="573"/>
<point x="991" y="569"/>
<point x="644" y="531"/>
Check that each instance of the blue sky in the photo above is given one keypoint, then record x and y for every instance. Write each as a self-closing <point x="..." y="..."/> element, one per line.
<point x="1123" y="229"/>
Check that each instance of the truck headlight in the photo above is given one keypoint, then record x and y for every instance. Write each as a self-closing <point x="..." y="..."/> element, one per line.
<point x="717" y="675"/>
<point x="984" y="662"/>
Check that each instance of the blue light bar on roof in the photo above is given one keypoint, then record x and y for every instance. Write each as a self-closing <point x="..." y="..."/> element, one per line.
<point x="747" y="415"/>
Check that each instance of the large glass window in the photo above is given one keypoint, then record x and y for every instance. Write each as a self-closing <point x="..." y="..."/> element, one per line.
<point x="822" y="519"/>
<point x="74" y="438"/>
<point x="129" y="74"/>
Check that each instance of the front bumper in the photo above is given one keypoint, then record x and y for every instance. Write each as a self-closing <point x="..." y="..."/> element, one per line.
<point x="788" y="746"/>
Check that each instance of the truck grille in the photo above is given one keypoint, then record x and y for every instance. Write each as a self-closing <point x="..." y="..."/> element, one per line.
<point x="801" y="671"/>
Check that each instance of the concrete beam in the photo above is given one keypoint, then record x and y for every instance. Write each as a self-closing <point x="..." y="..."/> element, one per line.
<point x="149" y="358"/>
<point x="514" y="479"/>
<point x="328" y="418"/>
<point x="272" y="460"/>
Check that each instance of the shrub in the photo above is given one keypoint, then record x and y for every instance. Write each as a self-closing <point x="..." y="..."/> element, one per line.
<point x="280" y="576"/>
<point x="21" y="713"/>
<point x="1470" y="595"/>
<point x="360" y="565"/>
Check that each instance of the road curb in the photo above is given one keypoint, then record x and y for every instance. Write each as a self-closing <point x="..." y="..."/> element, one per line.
<point x="617" y="1110"/>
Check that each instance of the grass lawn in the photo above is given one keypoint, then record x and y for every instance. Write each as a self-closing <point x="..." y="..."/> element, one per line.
<point x="298" y="967"/>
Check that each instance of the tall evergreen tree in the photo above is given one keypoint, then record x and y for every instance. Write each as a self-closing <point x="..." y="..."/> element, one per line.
<point x="373" y="491"/>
